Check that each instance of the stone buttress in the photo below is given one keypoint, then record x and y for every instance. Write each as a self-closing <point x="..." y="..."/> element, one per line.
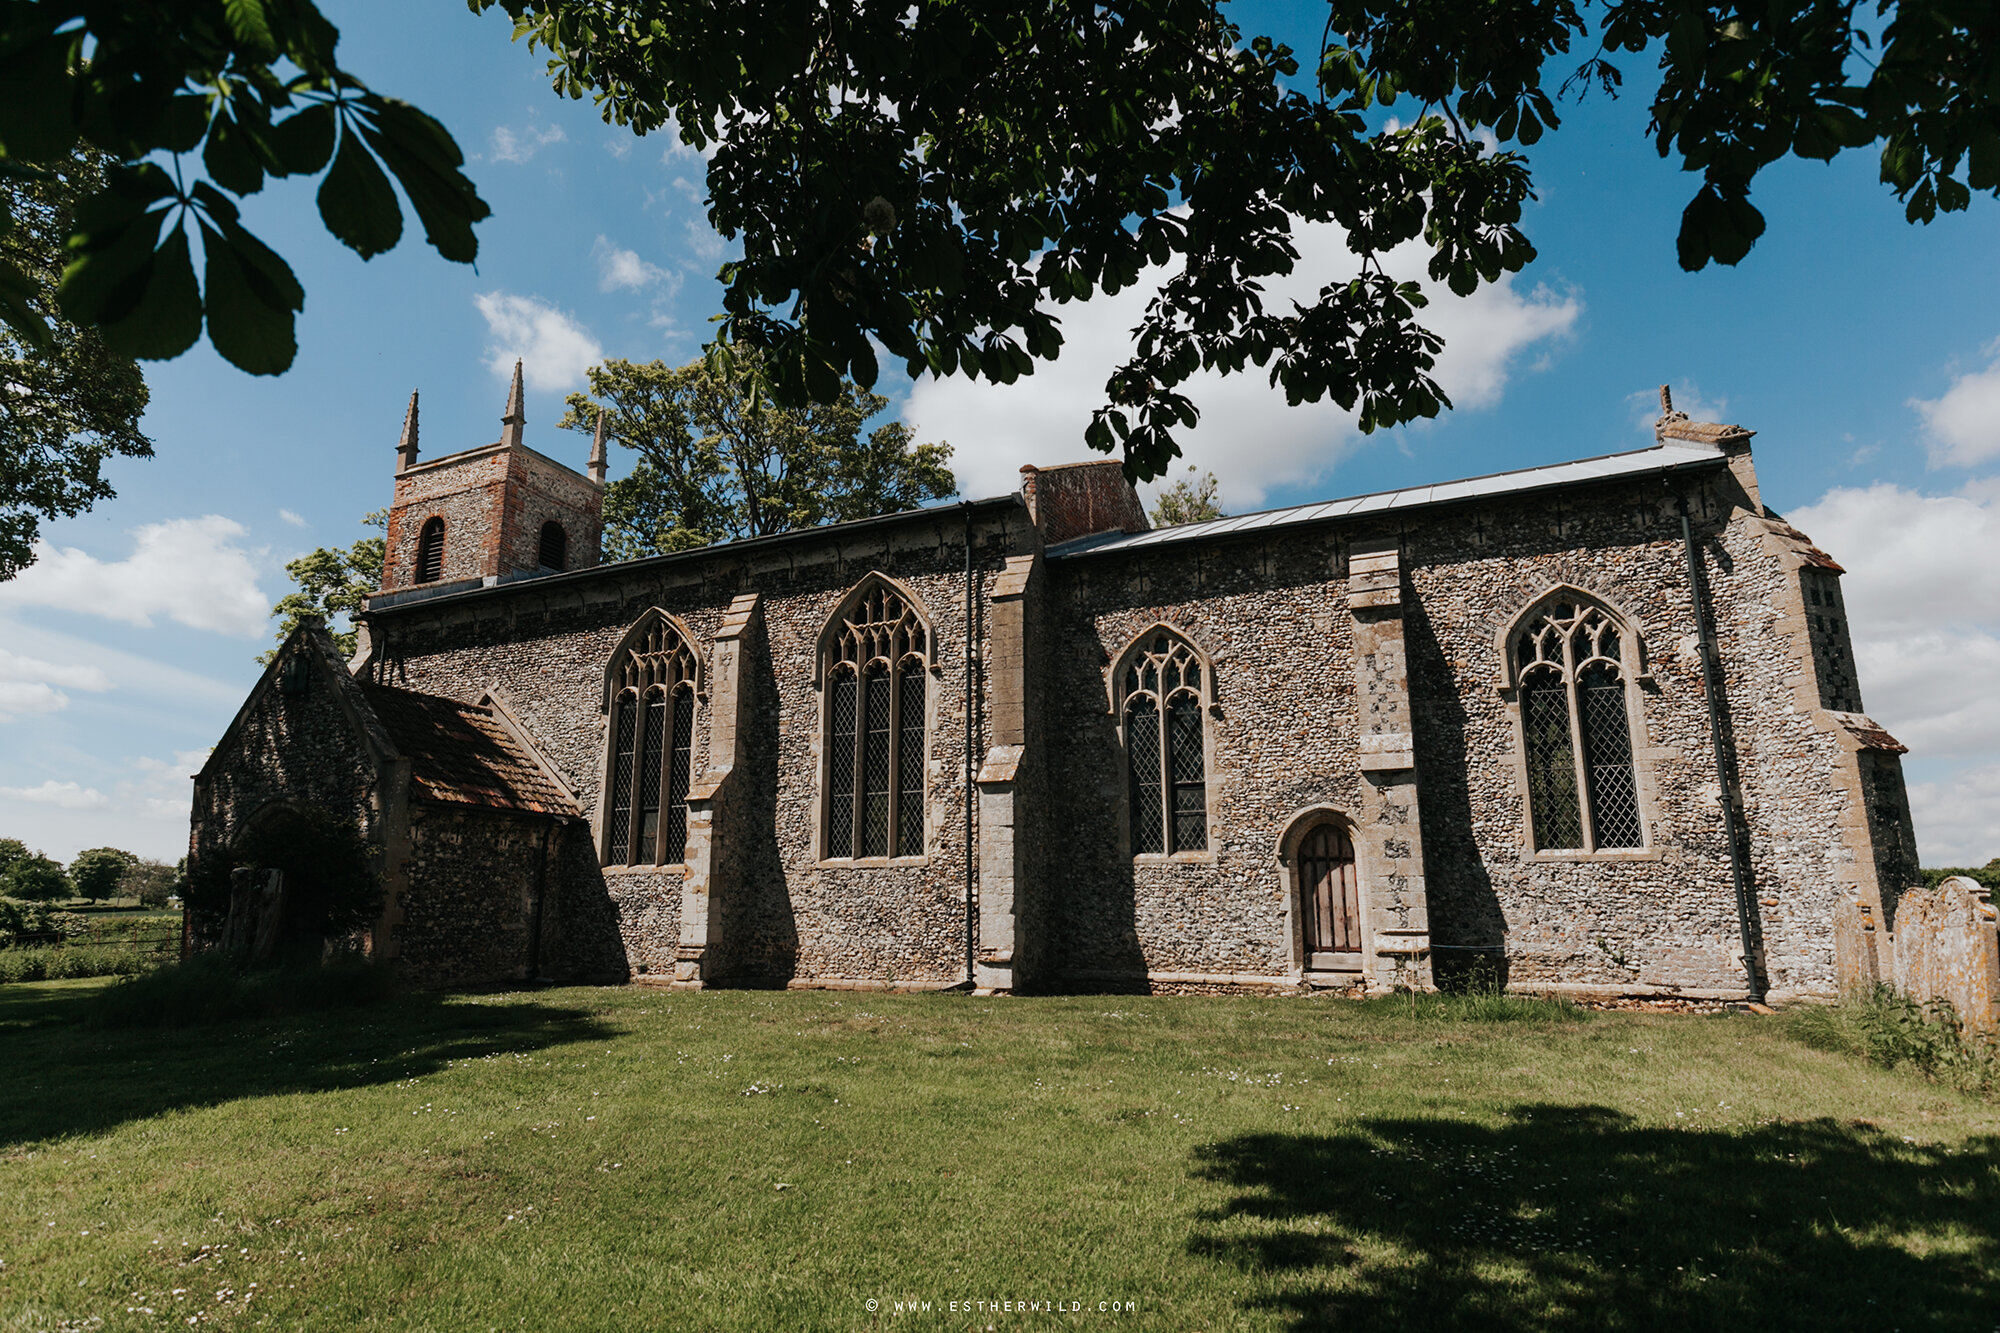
<point x="1397" y="915"/>
<point x="710" y="827"/>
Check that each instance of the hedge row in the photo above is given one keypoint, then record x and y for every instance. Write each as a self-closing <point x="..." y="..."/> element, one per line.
<point x="61" y="962"/>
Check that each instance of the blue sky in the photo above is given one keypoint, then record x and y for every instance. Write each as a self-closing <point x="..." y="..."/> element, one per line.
<point x="1865" y="352"/>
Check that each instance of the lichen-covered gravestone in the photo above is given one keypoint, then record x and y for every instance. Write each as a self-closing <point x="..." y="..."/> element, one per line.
<point x="1948" y="948"/>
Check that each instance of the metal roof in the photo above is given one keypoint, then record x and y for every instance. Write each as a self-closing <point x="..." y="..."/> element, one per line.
<point x="1667" y="456"/>
<point x="474" y="587"/>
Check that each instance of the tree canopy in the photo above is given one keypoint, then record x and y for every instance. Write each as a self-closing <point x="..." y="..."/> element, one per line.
<point x="150" y="881"/>
<point x="1189" y="499"/>
<point x="96" y="872"/>
<point x="198" y="104"/>
<point x="334" y="585"/>
<point x="31" y="876"/>
<point x="68" y="405"/>
<point x="940" y="178"/>
<point x="719" y="462"/>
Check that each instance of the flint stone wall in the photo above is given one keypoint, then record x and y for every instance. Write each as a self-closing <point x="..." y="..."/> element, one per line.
<point x="469" y="898"/>
<point x="298" y="751"/>
<point x="1282" y="738"/>
<point x="544" y="491"/>
<point x="466" y="493"/>
<point x="544" y="644"/>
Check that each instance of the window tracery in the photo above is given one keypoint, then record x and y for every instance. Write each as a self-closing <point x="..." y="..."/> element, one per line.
<point x="1161" y="712"/>
<point x="875" y="657"/>
<point x="652" y="683"/>
<point x="1576" y="730"/>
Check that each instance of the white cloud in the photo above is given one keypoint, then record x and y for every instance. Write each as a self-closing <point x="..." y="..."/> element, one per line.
<point x="128" y="673"/>
<point x="29" y="696"/>
<point x="144" y="808"/>
<point x="162" y="790"/>
<point x="190" y="570"/>
<point x="1959" y="819"/>
<point x="1687" y="397"/>
<point x="1248" y="436"/>
<point x="702" y="240"/>
<point x="29" y="685"/>
<point x="291" y="518"/>
<point x="553" y="348"/>
<point x="518" y="146"/>
<point x="1914" y="561"/>
<point x="618" y="268"/>
<point x="1964" y="424"/>
<point x="1923" y="605"/>
<point x="62" y="795"/>
<point x="677" y="151"/>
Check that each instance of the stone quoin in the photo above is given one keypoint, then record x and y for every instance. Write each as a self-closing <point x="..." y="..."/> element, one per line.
<point x="1030" y="743"/>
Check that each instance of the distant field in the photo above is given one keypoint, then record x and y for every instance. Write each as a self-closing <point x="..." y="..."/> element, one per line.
<point x="632" y="1159"/>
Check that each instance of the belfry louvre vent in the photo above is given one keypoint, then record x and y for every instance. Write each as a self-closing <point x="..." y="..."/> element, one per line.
<point x="555" y="547"/>
<point x="430" y="551"/>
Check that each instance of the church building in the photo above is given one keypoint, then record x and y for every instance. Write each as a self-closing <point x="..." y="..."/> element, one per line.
<point x="1591" y="728"/>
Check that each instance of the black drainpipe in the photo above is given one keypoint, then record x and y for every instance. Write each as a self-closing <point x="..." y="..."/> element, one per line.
<point x="1725" y="772"/>
<point x="971" y="666"/>
<point x="541" y="888"/>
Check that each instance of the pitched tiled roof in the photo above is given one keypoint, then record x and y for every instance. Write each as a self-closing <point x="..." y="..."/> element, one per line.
<point x="460" y="754"/>
<point x="1869" y="733"/>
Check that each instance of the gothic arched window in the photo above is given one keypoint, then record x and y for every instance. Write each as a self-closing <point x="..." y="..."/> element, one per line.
<point x="1576" y="730"/>
<point x="430" y="551"/>
<point x="874" y="658"/>
<point x="1160" y="702"/>
<point x="554" y="553"/>
<point x="652" y="683"/>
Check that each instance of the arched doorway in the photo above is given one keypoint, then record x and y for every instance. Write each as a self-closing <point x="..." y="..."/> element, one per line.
<point x="1329" y="899"/>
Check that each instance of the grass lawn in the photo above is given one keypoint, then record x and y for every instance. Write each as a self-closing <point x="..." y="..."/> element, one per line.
<point x="637" y="1159"/>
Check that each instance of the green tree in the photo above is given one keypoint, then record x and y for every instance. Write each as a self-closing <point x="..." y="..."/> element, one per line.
<point x="717" y="461"/>
<point x="97" y="871"/>
<point x="332" y="584"/>
<point x="151" y="882"/>
<point x="12" y="852"/>
<point x="939" y="178"/>
<point x="70" y="404"/>
<point x="199" y="103"/>
<point x="1188" y="500"/>
<point x="37" y="879"/>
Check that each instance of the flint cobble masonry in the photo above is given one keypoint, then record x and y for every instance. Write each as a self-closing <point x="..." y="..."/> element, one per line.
<point x="1355" y="671"/>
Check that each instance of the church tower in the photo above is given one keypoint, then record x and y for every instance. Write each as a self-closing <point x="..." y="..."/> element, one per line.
<point x="494" y="514"/>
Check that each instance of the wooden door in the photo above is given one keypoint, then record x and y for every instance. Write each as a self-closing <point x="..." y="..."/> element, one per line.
<point x="1330" y="897"/>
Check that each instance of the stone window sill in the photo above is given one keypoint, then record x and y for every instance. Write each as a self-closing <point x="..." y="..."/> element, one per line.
<point x="870" y="862"/>
<point x="1619" y="854"/>
<point x="645" y="869"/>
<point x="1174" y="859"/>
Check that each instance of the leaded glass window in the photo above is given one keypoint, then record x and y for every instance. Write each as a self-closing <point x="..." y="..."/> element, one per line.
<point x="1576" y="731"/>
<point x="875" y="657"/>
<point x="651" y="766"/>
<point x="1166" y="760"/>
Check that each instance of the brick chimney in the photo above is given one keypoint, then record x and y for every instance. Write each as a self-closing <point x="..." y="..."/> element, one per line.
<point x="1075" y="500"/>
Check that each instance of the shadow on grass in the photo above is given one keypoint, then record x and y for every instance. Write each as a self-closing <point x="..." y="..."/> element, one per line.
<point x="1577" y="1218"/>
<point x="63" y="1077"/>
